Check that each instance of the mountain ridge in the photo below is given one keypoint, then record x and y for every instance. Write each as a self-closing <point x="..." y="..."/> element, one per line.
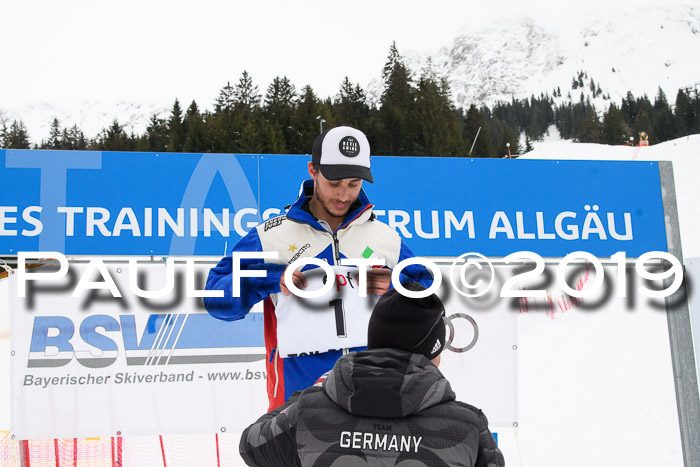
<point x="515" y="57"/>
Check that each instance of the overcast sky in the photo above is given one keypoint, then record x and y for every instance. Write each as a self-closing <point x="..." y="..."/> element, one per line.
<point x="155" y="51"/>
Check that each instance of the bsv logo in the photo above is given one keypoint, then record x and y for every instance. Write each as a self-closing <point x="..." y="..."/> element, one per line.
<point x="167" y="339"/>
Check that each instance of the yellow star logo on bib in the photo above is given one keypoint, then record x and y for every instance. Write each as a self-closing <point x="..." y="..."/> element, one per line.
<point x="293" y="247"/>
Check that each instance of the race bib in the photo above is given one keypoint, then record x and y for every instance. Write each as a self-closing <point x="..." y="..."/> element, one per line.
<point x="335" y="320"/>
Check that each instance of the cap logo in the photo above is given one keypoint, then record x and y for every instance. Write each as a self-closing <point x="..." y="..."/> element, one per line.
<point x="349" y="146"/>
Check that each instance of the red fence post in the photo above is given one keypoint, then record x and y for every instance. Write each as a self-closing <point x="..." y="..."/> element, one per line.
<point x="162" y="450"/>
<point x="27" y="460"/>
<point x="218" y="461"/>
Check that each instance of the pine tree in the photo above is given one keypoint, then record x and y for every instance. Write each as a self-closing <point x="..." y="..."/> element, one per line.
<point x="195" y="130"/>
<point x="615" y="131"/>
<point x="78" y="138"/>
<point x="664" y="125"/>
<point x="66" y="142"/>
<point x="564" y="119"/>
<point x="587" y="129"/>
<point x="272" y="139"/>
<point x="438" y="124"/>
<point x="279" y="99"/>
<point x="496" y="132"/>
<point x="73" y="139"/>
<point x="304" y="122"/>
<point x="176" y="129"/>
<point x="279" y="103"/>
<point x="225" y="100"/>
<point x="231" y="129"/>
<point x="660" y="102"/>
<point x="251" y="139"/>
<point x="4" y="137"/>
<point x="507" y="113"/>
<point x="629" y="108"/>
<point x="114" y="138"/>
<point x="223" y="129"/>
<point x="246" y="95"/>
<point x="696" y="112"/>
<point x="54" y="141"/>
<point x="350" y="105"/>
<point x="393" y="59"/>
<point x="684" y="114"/>
<point x="156" y="138"/>
<point x="397" y="102"/>
<point x="535" y="127"/>
<point x="17" y="137"/>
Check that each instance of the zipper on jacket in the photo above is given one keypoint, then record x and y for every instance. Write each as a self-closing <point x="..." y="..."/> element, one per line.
<point x="327" y="229"/>
<point x="277" y="378"/>
<point x="336" y="248"/>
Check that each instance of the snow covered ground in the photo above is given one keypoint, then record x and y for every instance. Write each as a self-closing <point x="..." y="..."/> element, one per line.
<point x="595" y="385"/>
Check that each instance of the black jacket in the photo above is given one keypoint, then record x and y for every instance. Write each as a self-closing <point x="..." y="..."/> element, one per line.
<point x="375" y="408"/>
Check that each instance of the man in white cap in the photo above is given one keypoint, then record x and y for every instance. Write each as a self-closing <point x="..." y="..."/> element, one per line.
<point x="332" y="219"/>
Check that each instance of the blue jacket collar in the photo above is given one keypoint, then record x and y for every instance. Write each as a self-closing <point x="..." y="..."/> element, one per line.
<point x="307" y="189"/>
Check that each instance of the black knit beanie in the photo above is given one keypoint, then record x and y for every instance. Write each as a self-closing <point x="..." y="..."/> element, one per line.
<point x="412" y="324"/>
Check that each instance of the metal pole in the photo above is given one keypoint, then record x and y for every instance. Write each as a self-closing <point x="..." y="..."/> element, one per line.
<point x="680" y="332"/>
<point x="475" y="138"/>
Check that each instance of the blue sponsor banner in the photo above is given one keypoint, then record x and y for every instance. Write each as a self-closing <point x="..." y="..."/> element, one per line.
<point x="118" y="203"/>
<point x="495" y="207"/>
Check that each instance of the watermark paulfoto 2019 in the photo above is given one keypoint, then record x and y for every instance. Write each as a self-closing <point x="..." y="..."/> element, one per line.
<point x="463" y="265"/>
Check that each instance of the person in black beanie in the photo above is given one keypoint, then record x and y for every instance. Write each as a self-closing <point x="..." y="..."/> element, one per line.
<point x="382" y="406"/>
<point x="411" y="324"/>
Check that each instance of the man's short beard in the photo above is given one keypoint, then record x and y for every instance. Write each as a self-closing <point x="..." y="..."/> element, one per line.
<point x="323" y="204"/>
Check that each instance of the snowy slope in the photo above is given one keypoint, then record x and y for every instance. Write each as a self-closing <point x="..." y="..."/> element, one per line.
<point x="90" y="116"/>
<point x="634" y="50"/>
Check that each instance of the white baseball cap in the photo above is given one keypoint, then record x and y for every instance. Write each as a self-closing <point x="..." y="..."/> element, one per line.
<point x="342" y="152"/>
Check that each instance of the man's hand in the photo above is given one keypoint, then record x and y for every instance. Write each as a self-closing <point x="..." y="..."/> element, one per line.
<point x="298" y="279"/>
<point x="378" y="281"/>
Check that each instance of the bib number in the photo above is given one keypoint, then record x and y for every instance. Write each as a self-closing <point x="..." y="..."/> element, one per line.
<point x="336" y="320"/>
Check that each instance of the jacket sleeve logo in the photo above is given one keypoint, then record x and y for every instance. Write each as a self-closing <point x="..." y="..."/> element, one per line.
<point x="274" y="222"/>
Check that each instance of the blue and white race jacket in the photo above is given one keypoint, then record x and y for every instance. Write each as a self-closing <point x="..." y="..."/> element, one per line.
<point x="293" y="235"/>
